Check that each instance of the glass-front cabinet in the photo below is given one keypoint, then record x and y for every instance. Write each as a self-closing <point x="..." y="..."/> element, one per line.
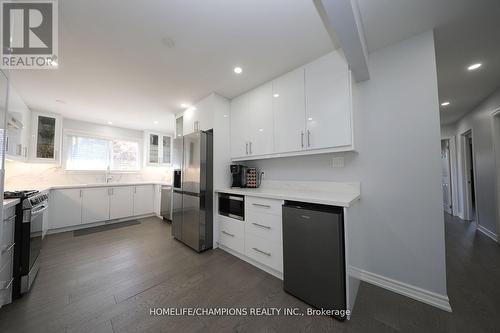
<point x="46" y="137"/>
<point x="158" y="148"/>
<point x="17" y="127"/>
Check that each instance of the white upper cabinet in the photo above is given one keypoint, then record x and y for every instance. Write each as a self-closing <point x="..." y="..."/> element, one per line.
<point x="46" y="137"/>
<point x="260" y="122"/>
<point x="17" y="126"/>
<point x="239" y="126"/>
<point x="305" y="111"/>
<point x="158" y="148"/>
<point x="289" y="112"/>
<point x="328" y="102"/>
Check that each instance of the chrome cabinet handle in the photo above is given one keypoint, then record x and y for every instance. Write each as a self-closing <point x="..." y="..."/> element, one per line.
<point x="246" y="147"/>
<point x="260" y="251"/>
<point x="261" y="205"/>
<point x="235" y="198"/>
<point x="227" y="233"/>
<point x="262" y="226"/>
<point x="7" y="287"/>
<point x="7" y="249"/>
<point x="302" y="139"/>
<point x="308" y="138"/>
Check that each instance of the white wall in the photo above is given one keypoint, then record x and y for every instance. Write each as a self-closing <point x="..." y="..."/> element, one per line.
<point x="397" y="163"/>
<point x="19" y="175"/>
<point x="480" y="121"/>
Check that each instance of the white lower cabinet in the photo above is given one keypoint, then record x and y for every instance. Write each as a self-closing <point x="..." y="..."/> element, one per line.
<point x="75" y="206"/>
<point x="259" y="237"/>
<point x="143" y="200"/>
<point x="95" y="204"/>
<point x="7" y="255"/>
<point x="65" y="208"/>
<point x="121" y="202"/>
<point x="232" y="233"/>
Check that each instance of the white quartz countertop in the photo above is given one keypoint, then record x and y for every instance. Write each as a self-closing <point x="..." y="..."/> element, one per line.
<point x="67" y="186"/>
<point x="336" y="194"/>
<point x="7" y="203"/>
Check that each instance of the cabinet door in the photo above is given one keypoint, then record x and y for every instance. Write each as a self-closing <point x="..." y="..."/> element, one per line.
<point x="46" y="137"/>
<point x="166" y="149"/>
<point x="95" y="204"/>
<point x="328" y="102"/>
<point x="143" y="200"/>
<point x="260" y="120"/>
<point x="121" y="202"/>
<point x="289" y="112"/>
<point x="153" y="148"/>
<point x="65" y="208"/>
<point x="239" y="126"/>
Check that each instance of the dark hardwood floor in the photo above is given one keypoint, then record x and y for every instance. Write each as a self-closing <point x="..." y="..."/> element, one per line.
<point x="108" y="281"/>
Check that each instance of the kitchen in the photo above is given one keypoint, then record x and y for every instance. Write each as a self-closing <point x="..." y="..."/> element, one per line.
<point x="219" y="174"/>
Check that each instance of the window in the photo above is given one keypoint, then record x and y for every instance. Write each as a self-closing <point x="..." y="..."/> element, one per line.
<point x="89" y="153"/>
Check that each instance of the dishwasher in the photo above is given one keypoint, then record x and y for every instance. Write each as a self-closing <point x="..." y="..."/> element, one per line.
<point x="166" y="202"/>
<point x="314" y="255"/>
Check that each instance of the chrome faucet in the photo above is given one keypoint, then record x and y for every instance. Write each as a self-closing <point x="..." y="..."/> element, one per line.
<point x="108" y="175"/>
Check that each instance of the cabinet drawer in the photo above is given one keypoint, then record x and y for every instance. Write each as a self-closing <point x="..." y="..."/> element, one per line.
<point x="264" y="205"/>
<point x="7" y="232"/>
<point x="264" y="251"/>
<point x="264" y="225"/>
<point x="6" y="279"/>
<point x="231" y="233"/>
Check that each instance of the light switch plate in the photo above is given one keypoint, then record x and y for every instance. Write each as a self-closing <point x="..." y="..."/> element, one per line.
<point x="338" y="162"/>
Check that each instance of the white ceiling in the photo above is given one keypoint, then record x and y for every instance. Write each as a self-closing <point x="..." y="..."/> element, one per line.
<point x="115" y="63"/>
<point x="466" y="31"/>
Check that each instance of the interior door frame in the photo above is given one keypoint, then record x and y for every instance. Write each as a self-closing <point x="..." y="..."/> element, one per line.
<point x="451" y="205"/>
<point x="455" y="180"/>
<point x="495" y="124"/>
<point x="467" y="194"/>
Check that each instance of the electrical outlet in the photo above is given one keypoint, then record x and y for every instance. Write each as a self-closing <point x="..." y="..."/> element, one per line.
<point x="338" y="162"/>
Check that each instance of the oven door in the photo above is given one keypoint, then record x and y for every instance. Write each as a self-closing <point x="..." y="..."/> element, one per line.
<point x="36" y="229"/>
<point x="232" y="205"/>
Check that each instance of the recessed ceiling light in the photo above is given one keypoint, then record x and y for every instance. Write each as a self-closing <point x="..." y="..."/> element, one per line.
<point x="110" y="123"/>
<point x="225" y="116"/>
<point x="184" y="105"/>
<point x="155" y="122"/>
<point x="445" y="103"/>
<point x="60" y="101"/>
<point x="309" y="119"/>
<point x="474" y="66"/>
<point x="238" y="70"/>
<point x="276" y="95"/>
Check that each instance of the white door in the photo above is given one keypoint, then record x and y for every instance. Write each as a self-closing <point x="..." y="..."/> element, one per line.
<point x="65" y="208"/>
<point x="121" y="202"/>
<point x="289" y="111"/>
<point x="260" y="120"/>
<point x="95" y="204"/>
<point x="143" y="200"/>
<point x="239" y="126"/>
<point x="445" y="176"/>
<point x="328" y="102"/>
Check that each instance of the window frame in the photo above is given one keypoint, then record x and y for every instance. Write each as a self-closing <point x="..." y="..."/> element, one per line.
<point x="67" y="133"/>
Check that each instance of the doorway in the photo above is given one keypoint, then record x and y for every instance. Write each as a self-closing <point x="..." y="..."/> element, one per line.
<point x="446" y="176"/>
<point x="470" y="207"/>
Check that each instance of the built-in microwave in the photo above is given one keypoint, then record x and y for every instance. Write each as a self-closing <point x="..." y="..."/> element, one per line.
<point x="232" y="205"/>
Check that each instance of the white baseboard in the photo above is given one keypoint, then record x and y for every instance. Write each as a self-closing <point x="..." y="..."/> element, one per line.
<point x="440" y="301"/>
<point x="487" y="232"/>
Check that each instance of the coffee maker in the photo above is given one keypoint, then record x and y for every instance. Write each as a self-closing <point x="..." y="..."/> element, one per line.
<point x="238" y="175"/>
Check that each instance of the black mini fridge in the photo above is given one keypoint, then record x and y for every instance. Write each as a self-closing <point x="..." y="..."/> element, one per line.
<point x="314" y="255"/>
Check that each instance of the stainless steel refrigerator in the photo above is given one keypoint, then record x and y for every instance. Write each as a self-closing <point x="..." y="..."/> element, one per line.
<point x="192" y="213"/>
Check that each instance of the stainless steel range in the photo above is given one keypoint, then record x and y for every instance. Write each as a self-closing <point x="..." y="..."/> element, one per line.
<point x="30" y="214"/>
